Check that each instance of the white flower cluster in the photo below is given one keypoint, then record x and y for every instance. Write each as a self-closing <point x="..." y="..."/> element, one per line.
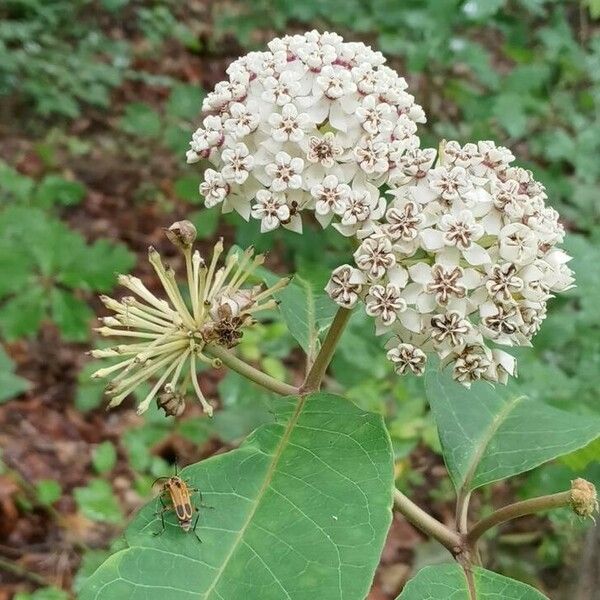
<point x="464" y="260"/>
<point x="315" y="124"/>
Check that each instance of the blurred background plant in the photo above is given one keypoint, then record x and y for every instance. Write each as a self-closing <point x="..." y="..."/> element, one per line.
<point x="97" y="101"/>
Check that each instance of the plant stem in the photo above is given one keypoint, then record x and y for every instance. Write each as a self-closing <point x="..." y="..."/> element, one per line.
<point x="19" y="571"/>
<point x="428" y="524"/>
<point x="317" y="371"/>
<point x="243" y="368"/>
<point x="518" y="509"/>
<point x="462" y="510"/>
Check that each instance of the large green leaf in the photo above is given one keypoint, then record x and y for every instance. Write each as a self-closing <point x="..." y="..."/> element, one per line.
<point x="306" y="312"/>
<point x="300" y="511"/>
<point x="448" y="582"/>
<point x="488" y="433"/>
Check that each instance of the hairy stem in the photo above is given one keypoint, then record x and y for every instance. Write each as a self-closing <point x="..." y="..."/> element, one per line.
<point x="518" y="509"/>
<point x="317" y="371"/>
<point x="243" y="368"/>
<point x="428" y="524"/>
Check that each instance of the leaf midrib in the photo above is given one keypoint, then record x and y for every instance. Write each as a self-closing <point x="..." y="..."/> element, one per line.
<point x="485" y="440"/>
<point x="268" y="478"/>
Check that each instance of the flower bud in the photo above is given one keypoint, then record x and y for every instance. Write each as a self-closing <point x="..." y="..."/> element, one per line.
<point x="181" y="234"/>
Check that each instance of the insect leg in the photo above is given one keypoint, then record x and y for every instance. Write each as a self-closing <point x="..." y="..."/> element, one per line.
<point x="162" y="520"/>
<point x="161" y="512"/>
<point x="194" y="528"/>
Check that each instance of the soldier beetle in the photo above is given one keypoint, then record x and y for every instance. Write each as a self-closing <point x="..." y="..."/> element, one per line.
<point x="180" y="501"/>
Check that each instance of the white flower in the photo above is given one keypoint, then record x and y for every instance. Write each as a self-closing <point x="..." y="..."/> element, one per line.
<point x="358" y="207"/>
<point x="502" y="282"/>
<point x="467" y="248"/>
<point x="449" y="183"/>
<point x="205" y="139"/>
<point x="237" y="164"/>
<point x="403" y="223"/>
<point x="285" y="172"/>
<point x="271" y="209"/>
<point x="283" y="90"/>
<point x="372" y="155"/>
<point x="518" y="244"/>
<point x="289" y="125"/>
<point x="471" y="364"/>
<point x="449" y="327"/>
<point x="406" y="357"/>
<point x="375" y="116"/>
<point x="330" y="103"/>
<point x="384" y="302"/>
<point x="214" y="188"/>
<point x="344" y="285"/>
<point x="375" y="257"/>
<point x="324" y="150"/>
<point x="335" y="83"/>
<point x="241" y="122"/>
<point x="331" y="197"/>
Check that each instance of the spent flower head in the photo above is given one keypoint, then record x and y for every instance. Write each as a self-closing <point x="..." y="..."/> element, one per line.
<point x="314" y="124"/>
<point x="464" y="260"/>
<point x="170" y="335"/>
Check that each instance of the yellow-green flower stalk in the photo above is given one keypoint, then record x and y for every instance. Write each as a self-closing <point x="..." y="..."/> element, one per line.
<point x="169" y="334"/>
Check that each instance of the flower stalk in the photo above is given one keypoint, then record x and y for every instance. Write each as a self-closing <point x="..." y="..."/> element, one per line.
<point x="449" y="538"/>
<point x="243" y="368"/>
<point x="581" y="498"/>
<point x="317" y="371"/>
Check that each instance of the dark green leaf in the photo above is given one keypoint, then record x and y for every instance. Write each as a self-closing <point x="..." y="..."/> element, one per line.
<point x="306" y="311"/>
<point x="445" y="582"/>
<point x="91" y="560"/>
<point x="490" y="434"/>
<point x="301" y="511"/>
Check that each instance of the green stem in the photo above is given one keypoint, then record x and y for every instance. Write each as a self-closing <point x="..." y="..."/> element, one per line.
<point x="462" y="510"/>
<point x="243" y="368"/>
<point x="428" y="524"/>
<point x="317" y="371"/>
<point x="518" y="509"/>
<point x="11" y="567"/>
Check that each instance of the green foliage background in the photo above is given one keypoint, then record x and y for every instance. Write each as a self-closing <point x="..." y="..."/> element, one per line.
<point x="523" y="72"/>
